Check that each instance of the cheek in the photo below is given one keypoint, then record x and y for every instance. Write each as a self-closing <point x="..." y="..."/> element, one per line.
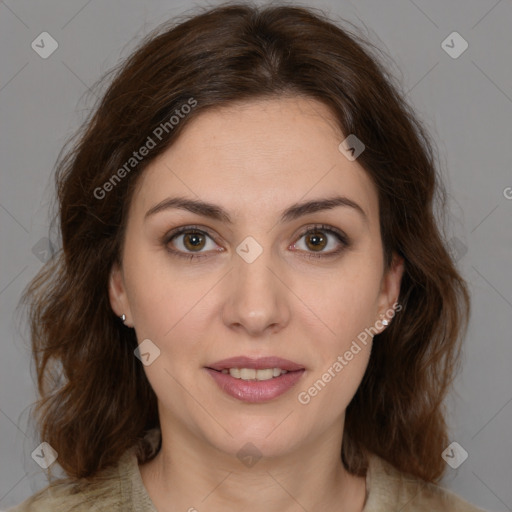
<point x="333" y="388"/>
<point x="161" y="297"/>
<point x="341" y="347"/>
<point x="340" y="305"/>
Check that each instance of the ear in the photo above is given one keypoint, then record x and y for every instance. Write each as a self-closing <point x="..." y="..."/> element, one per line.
<point x="389" y="292"/>
<point x="117" y="294"/>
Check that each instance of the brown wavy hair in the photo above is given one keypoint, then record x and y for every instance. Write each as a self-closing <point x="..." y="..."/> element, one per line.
<point x="95" y="401"/>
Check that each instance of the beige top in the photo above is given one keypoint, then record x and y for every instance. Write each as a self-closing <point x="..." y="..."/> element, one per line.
<point x="120" y="489"/>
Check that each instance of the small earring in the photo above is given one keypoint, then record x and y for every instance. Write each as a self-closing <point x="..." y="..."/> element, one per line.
<point x="385" y="322"/>
<point x="123" y="317"/>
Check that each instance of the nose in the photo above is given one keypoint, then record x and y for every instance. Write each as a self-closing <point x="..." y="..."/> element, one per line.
<point x="257" y="302"/>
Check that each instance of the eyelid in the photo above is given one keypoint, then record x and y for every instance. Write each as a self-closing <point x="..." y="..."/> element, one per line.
<point x="189" y="227"/>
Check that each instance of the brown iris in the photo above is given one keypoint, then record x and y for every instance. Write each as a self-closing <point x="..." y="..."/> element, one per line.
<point x="316" y="240"/>
<point x="193" y="241"/>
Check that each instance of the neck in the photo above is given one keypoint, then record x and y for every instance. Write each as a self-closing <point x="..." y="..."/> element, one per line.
<point x="190" y="474"/>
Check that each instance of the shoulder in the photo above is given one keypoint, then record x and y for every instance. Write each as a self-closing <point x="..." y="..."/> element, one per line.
<point x="118" y="488"/>
<point x="106" y="492"/>
<point x="390" y="489"/>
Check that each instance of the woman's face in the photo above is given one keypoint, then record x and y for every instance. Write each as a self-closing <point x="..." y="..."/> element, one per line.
<point x="278" y="280"/>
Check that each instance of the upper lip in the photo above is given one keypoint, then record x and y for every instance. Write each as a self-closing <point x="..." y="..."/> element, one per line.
<point x="256" y="363"/>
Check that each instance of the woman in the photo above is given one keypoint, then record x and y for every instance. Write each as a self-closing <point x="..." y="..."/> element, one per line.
<point x="253" y="308"/>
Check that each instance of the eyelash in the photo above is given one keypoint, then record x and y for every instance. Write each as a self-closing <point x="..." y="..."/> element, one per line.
<point x="342" y="238"/>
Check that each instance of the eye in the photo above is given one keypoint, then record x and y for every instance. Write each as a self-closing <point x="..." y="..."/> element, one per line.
<point x="322" y="241"/>
<point x="189" y="242"/>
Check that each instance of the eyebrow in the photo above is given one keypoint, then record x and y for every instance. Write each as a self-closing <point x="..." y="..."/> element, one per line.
<point x="216" y="212"/>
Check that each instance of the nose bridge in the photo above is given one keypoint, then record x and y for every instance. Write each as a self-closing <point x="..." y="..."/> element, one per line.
<point x="258" y="300"/>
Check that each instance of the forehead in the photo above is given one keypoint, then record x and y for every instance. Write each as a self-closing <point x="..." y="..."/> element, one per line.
<point x="257" y="157"/>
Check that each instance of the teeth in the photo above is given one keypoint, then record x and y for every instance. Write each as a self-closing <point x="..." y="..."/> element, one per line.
<point x="249" y="373"/>
<point x="252" y="374"/>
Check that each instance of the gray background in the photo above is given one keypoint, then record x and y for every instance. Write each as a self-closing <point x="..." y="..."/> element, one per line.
<point x="466" y="103"/>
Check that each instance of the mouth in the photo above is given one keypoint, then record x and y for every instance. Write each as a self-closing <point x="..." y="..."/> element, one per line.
<point x="255" y="380"/>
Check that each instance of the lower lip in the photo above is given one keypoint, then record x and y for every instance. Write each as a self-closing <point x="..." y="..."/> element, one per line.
<point x="255" y="391"/>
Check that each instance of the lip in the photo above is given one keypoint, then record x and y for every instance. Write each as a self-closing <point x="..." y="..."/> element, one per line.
<point x="259" y="363"/>
<point x="254" y="391"/>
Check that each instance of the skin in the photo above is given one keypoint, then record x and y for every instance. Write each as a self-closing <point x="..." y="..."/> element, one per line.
<point x="254" y="159"/>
